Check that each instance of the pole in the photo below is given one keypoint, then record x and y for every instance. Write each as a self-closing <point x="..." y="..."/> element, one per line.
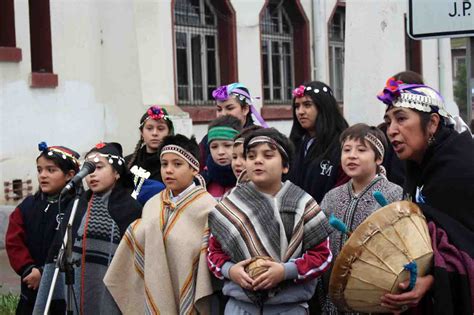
<point x="469" y="78"/>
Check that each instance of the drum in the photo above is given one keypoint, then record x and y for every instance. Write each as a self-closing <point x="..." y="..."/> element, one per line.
<point x="371" y="262"/>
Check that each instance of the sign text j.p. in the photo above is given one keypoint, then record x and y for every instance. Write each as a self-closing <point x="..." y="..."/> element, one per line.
<point x="440" y="18"/>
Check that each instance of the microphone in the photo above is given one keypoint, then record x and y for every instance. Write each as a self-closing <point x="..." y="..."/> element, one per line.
<point x="86" y="169"/>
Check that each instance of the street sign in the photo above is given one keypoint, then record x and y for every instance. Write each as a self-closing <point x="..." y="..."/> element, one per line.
<point x="440" y="18"/>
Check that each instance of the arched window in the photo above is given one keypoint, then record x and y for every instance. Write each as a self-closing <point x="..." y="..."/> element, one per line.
<point x="199" y="27"/>
<point x="283" y="24"/>
<point x="336" y="52"/>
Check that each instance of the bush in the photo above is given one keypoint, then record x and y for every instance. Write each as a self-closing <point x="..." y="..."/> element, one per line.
<point x="8" y="303"/>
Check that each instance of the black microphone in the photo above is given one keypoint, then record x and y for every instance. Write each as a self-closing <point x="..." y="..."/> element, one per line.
<point x="86" y="169"/>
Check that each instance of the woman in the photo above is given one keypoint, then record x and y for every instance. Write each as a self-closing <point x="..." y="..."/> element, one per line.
<point x="233" y="99"/>
<point x="440" y="179"/>
<point x="317" y="125"/>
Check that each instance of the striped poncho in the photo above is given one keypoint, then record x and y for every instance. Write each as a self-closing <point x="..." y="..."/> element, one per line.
<point x="160" y="265"/>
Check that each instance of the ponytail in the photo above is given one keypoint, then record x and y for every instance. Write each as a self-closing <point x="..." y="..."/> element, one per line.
<point x="135" y="153"/>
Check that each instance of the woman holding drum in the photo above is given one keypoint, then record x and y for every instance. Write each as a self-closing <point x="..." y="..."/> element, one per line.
<point x="440" y="180"/>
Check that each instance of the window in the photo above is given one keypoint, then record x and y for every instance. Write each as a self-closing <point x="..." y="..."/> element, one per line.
<point x="40" y="36"/>
<point x="277" y="54"/>
<point x="197" y="53"/>
<point x="336" y="53"/>
<point x="7" y="24"/>
<point x="8" y="50"/>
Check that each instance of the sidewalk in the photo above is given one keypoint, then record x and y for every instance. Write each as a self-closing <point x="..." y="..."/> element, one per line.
<point x="9" y="280"/>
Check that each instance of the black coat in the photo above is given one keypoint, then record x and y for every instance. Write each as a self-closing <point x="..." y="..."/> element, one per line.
<point x="320" y="175"/>
<point x="149" y="161"/>
<point x="445" y="184"/>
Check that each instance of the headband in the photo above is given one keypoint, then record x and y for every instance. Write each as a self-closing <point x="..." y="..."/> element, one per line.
<point x="414" y="96"/>
<point x="156" y="113"/>
<point x="300" y="90"/>
<point x="221" y="133"/>
<point x="376" y="143"/>
<point x="265" y="139"/>
<point x="59" y="151"/>
<point x="186" y="155"/>
<point x="223" y="93"/>
<point x="94" y="157"/>
<point x="240" y="140"/>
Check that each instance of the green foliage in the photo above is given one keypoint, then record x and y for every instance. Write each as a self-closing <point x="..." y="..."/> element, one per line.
<point x="460" y="88"/>
<point x="8" y="303"/>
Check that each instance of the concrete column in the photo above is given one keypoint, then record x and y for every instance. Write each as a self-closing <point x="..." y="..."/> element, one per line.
<point x="375" y="50"/>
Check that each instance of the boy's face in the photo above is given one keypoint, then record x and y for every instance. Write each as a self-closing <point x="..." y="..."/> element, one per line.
<point x="221" y="151"/>
<point x="265" y="167"/>
<point x="358" y="160"/>
<point x="238" y="160"/>
<point x="176" y="173"/>
<point x="104" y="177"/>
<point x="51" y="178"/>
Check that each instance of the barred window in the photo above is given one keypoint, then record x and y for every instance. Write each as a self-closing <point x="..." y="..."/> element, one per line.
<point x="197" y="58"/>
<point x="277" y="53"/>
<point x="336" y="53"/>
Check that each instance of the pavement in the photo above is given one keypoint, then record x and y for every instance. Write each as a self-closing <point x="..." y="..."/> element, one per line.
<point x="9" y="280"/>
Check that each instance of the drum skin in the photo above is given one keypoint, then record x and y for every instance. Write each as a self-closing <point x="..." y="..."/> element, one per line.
<point x="371" y="262"/>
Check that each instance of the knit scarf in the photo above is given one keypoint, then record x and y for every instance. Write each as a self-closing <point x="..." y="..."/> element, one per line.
<point x="223" y="175"/>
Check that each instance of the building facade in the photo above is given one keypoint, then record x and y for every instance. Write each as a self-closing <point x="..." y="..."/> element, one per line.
<point x="78" y="72"/>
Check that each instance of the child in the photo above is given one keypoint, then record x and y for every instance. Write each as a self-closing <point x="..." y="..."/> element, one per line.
<point x="266" y="217"/>
<point x="34" y="222"/>
<point x="218" y="172"/>
<point x="155" y="124"/>
<point x="363" y="149"/>
<point x="317" y="125"/>
<point x="233" y="99"/>
<point x="238" y="160"/>
<point x="160" y="265"/>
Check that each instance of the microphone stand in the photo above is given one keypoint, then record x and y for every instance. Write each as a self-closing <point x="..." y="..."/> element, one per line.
<point x="64" y="261"/>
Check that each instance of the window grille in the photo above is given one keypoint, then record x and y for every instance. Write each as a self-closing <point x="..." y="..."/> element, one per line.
<point x="336" y="53"/>
<point x="277" y="54"/>
<point x="197" y="63"/>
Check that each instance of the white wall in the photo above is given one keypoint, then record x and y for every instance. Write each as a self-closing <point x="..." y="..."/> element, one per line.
<point x="374" y="50"/>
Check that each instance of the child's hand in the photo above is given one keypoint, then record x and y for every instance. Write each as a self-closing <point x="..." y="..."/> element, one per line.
<point x="33" y="279"/>
<point x="270" y="278"/>
<point x="238" y="275"/>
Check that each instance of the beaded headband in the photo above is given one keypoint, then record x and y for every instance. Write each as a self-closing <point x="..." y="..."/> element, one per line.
<point x="265" y="139"/>
<point x="156" y="113"/>
<point x="238" y="141"/>
<point x="94" y="157"/>
<point x="300" y="90"/>
<point x="186" y="155"/>
<point x="376" y="143"/>
<point x="415" y="96"/>
<point x="59" y="152"/>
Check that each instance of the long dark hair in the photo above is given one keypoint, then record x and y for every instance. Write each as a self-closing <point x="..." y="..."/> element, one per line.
<point x="329" y="122"/>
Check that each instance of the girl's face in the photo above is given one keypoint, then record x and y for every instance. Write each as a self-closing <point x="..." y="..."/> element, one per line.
<point x="406" y="135"/>
<point x="233" y="108"/>
<point x="221" y="151"/>
<point x="265" y="168"/>
<point x="51" y="178"/>
<point x="238" y="160"/>
<point x="176" y="173"/>
<point x="358" y="160"/>
<point x="104" y="177"/>
<point x="153" y="133"/>
<point x="306" y="113"/>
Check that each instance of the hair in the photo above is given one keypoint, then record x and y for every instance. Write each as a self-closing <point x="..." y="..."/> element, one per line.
<point x="246" y="132"/>
<point x="274" y="134"/>
<point x="409" y="77"/>
<point x="65" y="165"/>
<point x="140" y="142"/>
<point x="226" y="121"/>
<point x="329" y="122"/>
<point x="359" y="131"/>
<point x="189" y="144"/>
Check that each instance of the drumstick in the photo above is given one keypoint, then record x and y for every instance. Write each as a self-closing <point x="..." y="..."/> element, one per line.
<point x="339" y="225"/>
<point x="380" y="198"/>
